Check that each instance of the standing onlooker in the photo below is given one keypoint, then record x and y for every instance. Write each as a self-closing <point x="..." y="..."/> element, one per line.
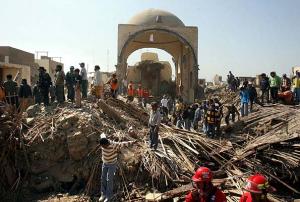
<point x="84" y="82"/>
<point x="204" y="109"/>
<point x="59" y="84"/>
<point x="286" y="83"/>
<point x="113" y="81"/>
<point x="37" y="94"/>
<point x="244" y="94"/>
<point x="70" y="83"/>
<point x="198" y="116"/>
<point x="124" y="86"/>
<point x="164" y="105"/>
<point x="210" y="119"/>
<point x="110" y="150"/>
<point x="264" y="87"/>
<point x="218" y="115"/>
<point x="11" y="92"/>
<point x="98" y="84"/>
<point x="2" y="92"/>
<point x="140" y="92"/>
<point x="78" y="80"/>
<point x="45" y="83"/>
<point x="252" y="95"/>
<point x="296" y="86"/>
<point x="275" y="83"/>
<point x="130" y="92"/>
<point x="154" y="121"/>
<point x="25" y="94"/>
<point x="186" y="117"/>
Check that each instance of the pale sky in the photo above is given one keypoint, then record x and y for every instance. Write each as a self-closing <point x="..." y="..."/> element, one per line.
<point x="246" y="37"/>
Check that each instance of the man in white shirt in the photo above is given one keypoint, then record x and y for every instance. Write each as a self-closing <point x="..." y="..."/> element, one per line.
<point x="84" y="82"/>
<point x="98" y="84"/>
<point x="164" y="105"/>
<point x="124" y="87"/>
<point x="154" y="122"/>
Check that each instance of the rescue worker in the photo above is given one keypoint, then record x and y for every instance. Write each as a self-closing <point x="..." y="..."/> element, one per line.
<point x="286" y="83"/>
<point x="275" y="83"/>
<point x="130" y="92"/>
<point x="257" y="188"/>
<point x="25" y="94"/>
<point x="113" y="81"/>
<point x="37" y="94"/>
<point x="109" y="158"/>
<point x="154" y="122"/>
<point x="231" y="111"/>
<point x="244" y="95"/>
<point x="211" y="119"/>
<point x="44" y="84"/>
<point x="59" y="82"/>
<point x="296" y="86"/>
<point x="84" y="81"/>
<point x="204" y="190"/>
<point x="78" y="80"/>
<point x="11" y="91"/>
<point x="252" y="95"/>
<point x="264" y="87"/>
<point x="98" y="84"/>
<point x="2" y="92"/>
<point x="70" y="83"/>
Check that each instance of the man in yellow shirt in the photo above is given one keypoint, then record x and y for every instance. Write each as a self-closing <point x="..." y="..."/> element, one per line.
<point x="296" y="86"/>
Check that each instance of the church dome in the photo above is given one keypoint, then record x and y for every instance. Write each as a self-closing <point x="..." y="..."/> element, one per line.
<point x="156" y="17"/>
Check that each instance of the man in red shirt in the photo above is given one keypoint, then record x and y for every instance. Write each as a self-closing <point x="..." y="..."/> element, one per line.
<point x="204" y="190"/>
<point x="257" y="188"/>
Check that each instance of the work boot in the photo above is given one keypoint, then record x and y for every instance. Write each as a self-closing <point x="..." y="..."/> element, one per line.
<point x="102" y="198"/>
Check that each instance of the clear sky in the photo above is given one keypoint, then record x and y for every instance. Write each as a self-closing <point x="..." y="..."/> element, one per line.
<point x="245" y="36"/>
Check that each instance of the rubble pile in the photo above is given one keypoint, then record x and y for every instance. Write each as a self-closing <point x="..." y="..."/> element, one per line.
<point x="61" y="145"/>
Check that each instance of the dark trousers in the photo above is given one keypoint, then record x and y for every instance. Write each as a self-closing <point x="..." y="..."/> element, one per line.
<point x="45" y="95"/>
<point x="153" y="137"/>
<point x="113" y="93"/>
<point x="13" y="100"/>
<point x="84" y="88"/>
<point x="211" y="130"/>
<point x="265" y="93"/>
<point x="274" y="94"/>
<point x="251" y="103"/>
<point x="71" y="92"/>
<point x="60" y="93"/>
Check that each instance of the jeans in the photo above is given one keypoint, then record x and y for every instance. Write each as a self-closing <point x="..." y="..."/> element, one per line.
<point x="274" y="94"/>
<point x="244" y="109"/>
<point x="187" y="124"/>
<point x="297" y="95"/>
<point x="205" y="127"/>
<point x="251" y="104"/>
<point x="84" y="88"/>
<point x="71" y="92"/>
<point x="107" y="179"/>
<point x="153" y="139"/>
<point x="211" y="129"/>
<point x="265" y="93"/>
<point x="45" y="94"/>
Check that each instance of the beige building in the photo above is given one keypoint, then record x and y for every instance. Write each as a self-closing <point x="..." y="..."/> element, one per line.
<point x="155" y="28"/>
<point x="20" y="64"/>
<point x="48" y="64"/>
<point x="294" y="69"/>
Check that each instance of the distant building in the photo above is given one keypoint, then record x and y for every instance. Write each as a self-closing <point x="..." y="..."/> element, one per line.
<point x="49" y="64"/>
<point x="20" y="64"/>
<point x="247" y="78"/>
<point x="217" y="79"/>
<point x="294" y="69"/>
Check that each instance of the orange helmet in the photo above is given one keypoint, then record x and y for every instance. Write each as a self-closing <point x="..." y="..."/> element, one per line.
<point x="202" y="174"/>
<point x="258" y="184"/>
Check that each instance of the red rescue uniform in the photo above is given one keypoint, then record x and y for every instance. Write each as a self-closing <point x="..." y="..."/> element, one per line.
<point x="218" y="196"/>
<point x="140" y="92"/>
<point x="246" y="197"/>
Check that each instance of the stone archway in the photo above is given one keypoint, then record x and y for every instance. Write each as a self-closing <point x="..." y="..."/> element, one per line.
<point x="162" y="30"/>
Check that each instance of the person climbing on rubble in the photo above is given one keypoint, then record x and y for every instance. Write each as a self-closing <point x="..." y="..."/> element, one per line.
<point x="252" y="95"/>
<point x="264" y="87"/>
<point x="11" y="91"/>
<point x="204" y="190"/>
<point x="113" y="81"/>
<point x="98" y="84"/>
<point x="130" y="92"/>
<point x="59" y="84"/>
<point x="78" y="80"/>
<point x="110" y="150"/>
<point x="257" y="187"/>
<point x="296" y="86"/>
<point x="231" y="111"/>
<point x="37" y="94"/>
<point x="44" y="84"/>
<point x="25" y="95"/>
<point x="231" y="81"/>
<point x="285" y="83"/>
<point x="275" y="83"/>
<point x="70" y="84"/>
<point x="154" y="122"/>
<point x="211" y="119"/>
<point x="244" y="95"/>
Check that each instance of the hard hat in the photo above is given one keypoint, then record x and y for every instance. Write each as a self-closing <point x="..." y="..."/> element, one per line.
<point x="258" y="184"/>
<point x="202" y="174"/>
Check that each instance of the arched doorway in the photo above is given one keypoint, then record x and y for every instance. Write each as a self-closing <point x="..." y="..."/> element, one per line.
<point x="162" y="30"/>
